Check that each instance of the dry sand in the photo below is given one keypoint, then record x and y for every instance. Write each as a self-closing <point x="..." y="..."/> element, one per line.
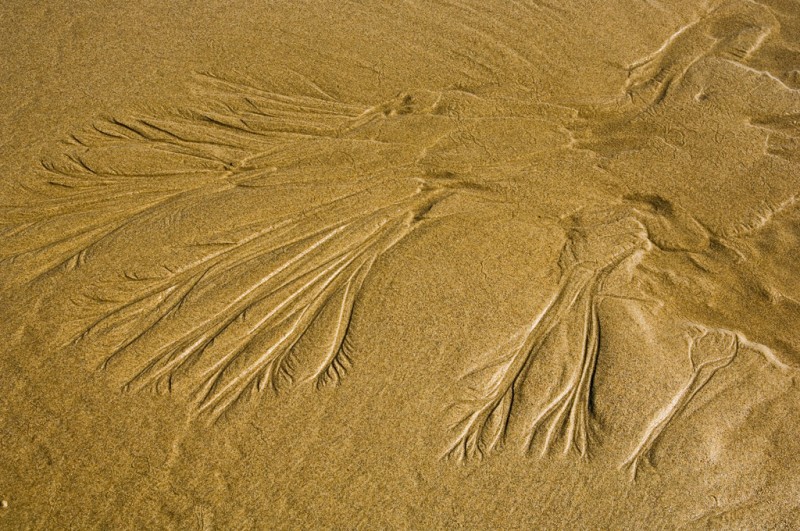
<point x="409" y="265"/>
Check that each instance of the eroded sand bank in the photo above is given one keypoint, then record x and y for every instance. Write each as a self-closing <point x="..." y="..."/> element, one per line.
<point x="414" y="265"/>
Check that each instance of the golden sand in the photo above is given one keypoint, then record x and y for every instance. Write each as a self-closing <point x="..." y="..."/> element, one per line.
<point x="414" y="265"/>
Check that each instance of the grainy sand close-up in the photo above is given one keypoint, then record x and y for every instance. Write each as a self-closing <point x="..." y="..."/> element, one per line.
<point x="400" y="264"/>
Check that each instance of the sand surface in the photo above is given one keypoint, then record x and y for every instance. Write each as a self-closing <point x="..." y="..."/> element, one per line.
<point x="400" y="265"/>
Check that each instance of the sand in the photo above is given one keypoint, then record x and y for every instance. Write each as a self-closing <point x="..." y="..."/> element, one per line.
<point x="404" y="265"/>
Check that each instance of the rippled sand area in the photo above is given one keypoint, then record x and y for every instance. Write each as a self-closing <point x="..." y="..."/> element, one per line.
<point x="404" y="265"/>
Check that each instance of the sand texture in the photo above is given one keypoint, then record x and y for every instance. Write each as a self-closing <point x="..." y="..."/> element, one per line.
<point x="400" y="265"/>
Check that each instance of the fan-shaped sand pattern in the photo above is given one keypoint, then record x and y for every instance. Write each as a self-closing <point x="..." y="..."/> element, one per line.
<point x="255" y="299"/>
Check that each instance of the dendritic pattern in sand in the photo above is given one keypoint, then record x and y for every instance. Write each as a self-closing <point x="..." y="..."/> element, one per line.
<point x="224" y="298"/>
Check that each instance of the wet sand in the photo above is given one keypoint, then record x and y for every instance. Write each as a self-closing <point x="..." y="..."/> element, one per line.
<point x="423" y="265"/>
